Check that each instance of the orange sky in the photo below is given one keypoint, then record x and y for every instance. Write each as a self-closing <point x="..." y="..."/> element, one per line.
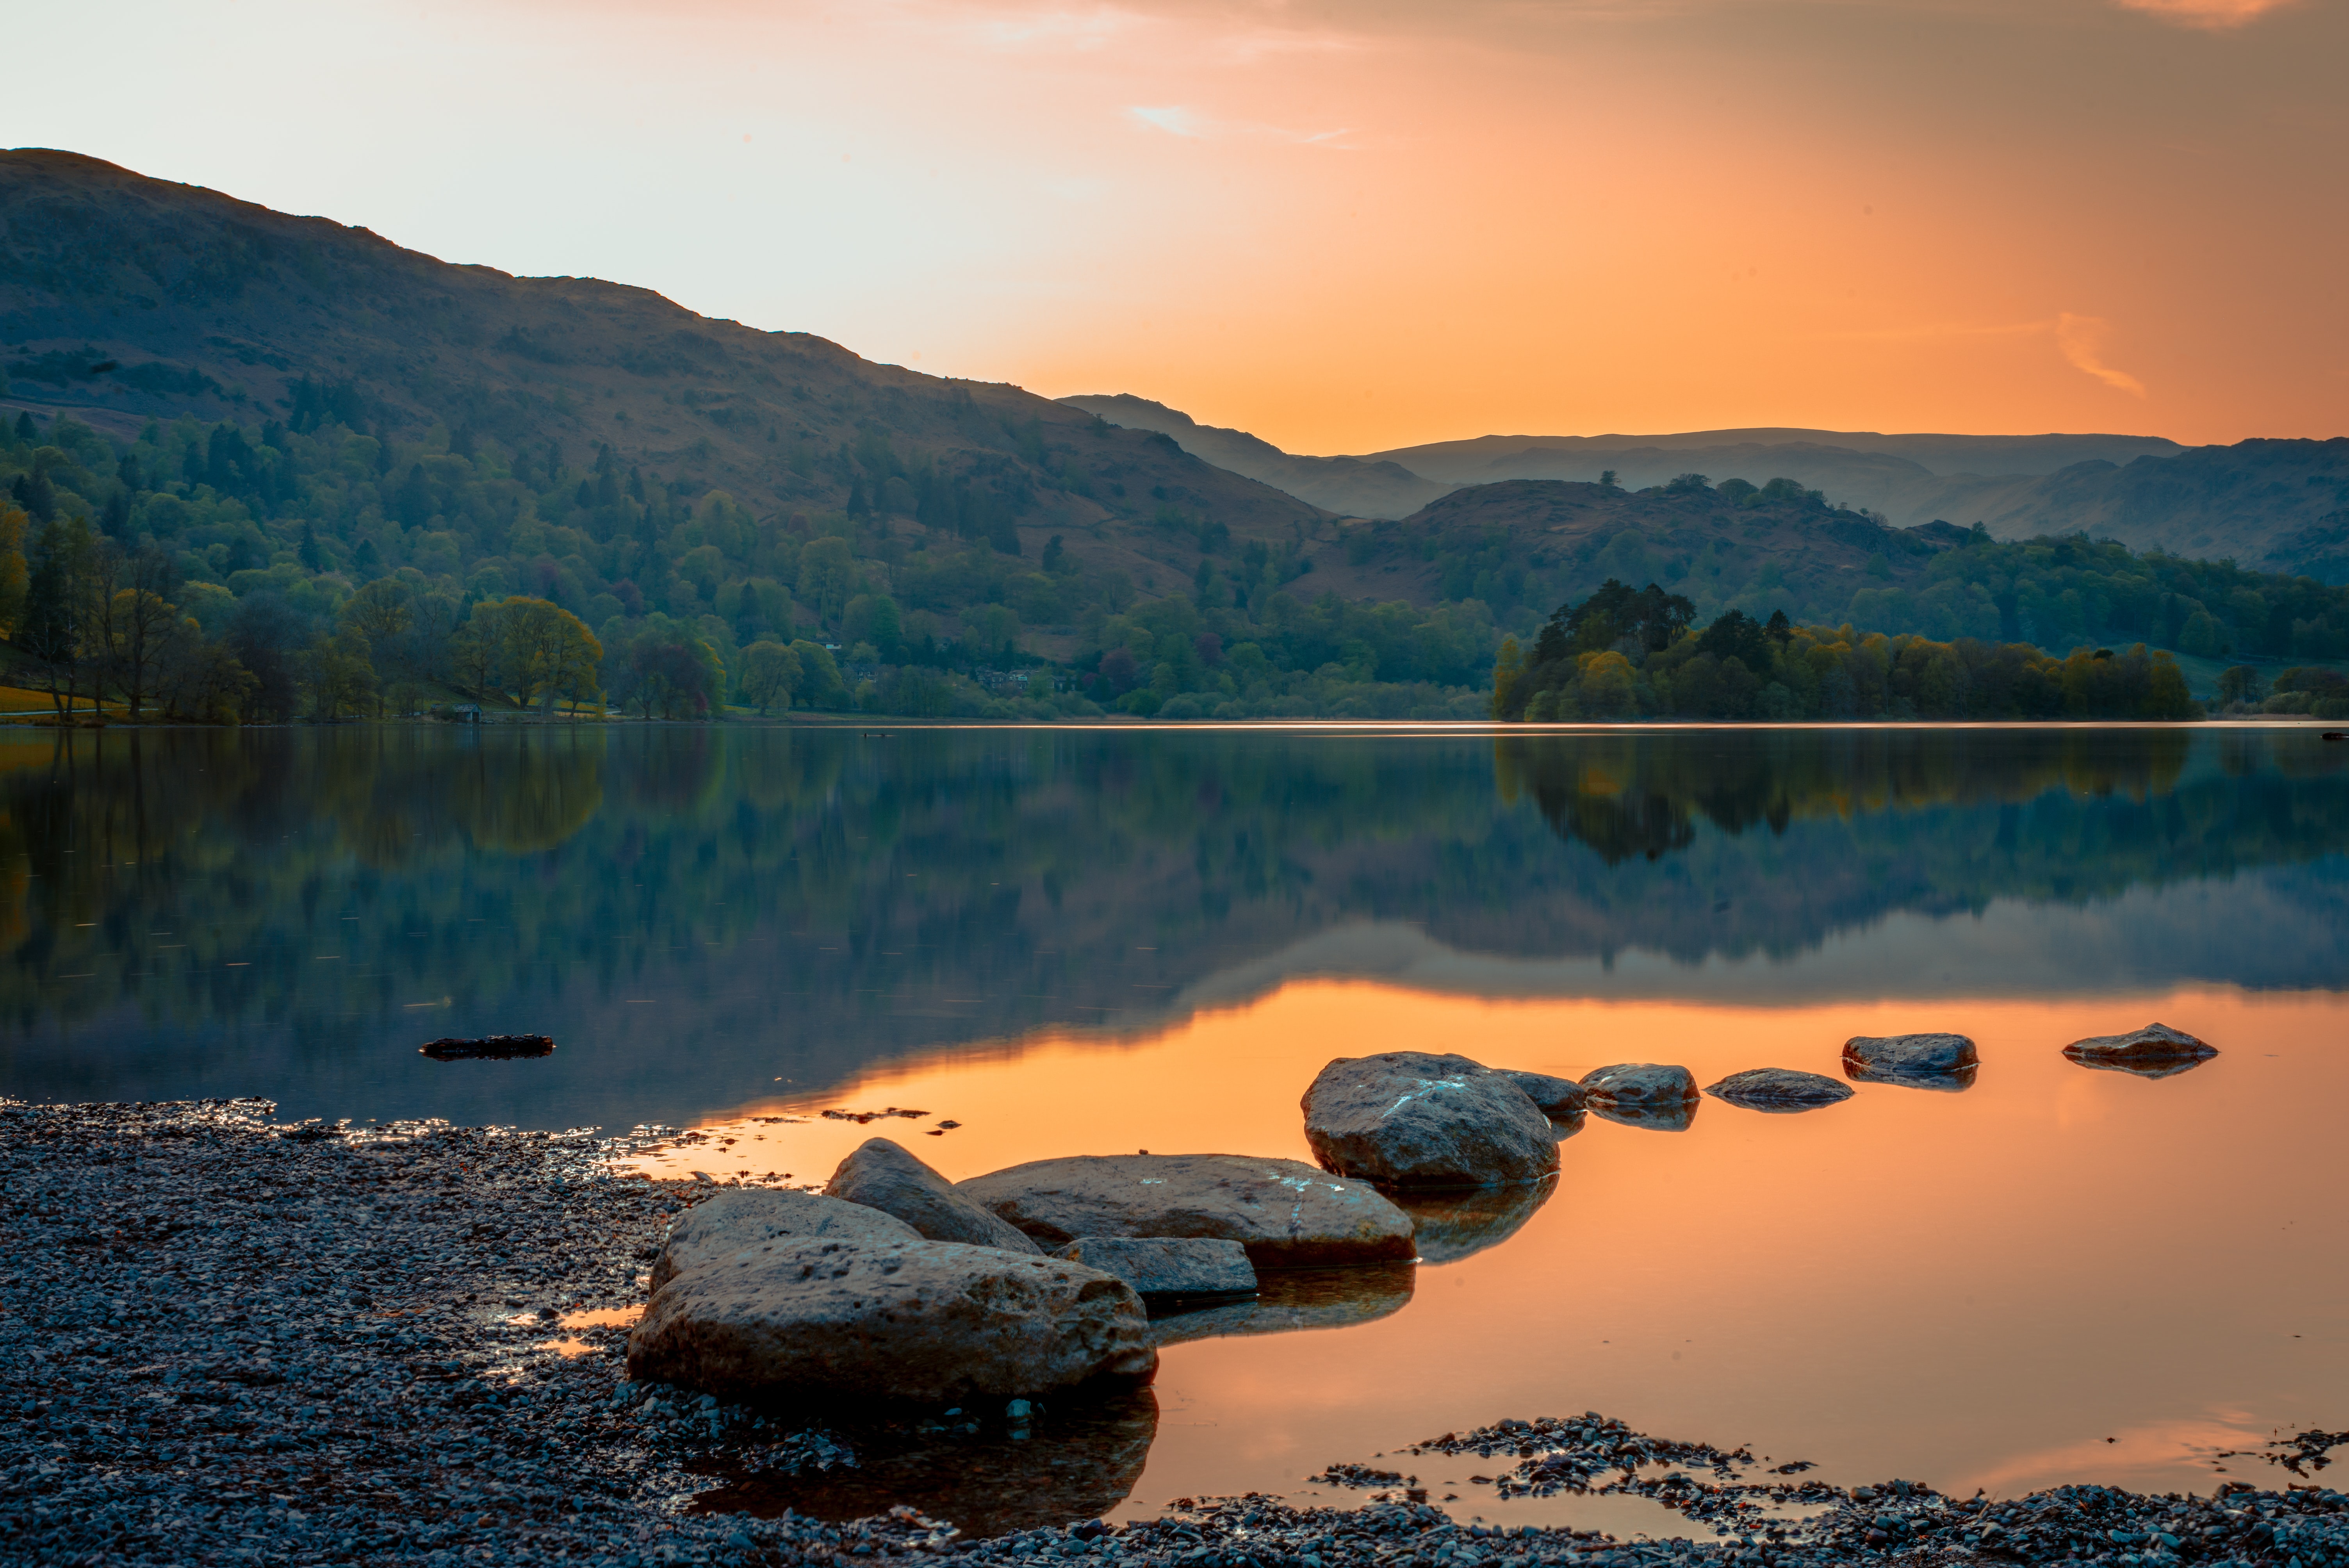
<point x="1349" y="224"/>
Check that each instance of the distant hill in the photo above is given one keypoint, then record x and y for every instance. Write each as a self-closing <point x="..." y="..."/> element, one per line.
<point x="1351" y="487"/>
<point x="2277" y="505"/>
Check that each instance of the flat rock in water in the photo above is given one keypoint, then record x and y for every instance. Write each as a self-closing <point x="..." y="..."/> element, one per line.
<point x="1628" y="1084"/>
<point x="1298" y="1300"/>
<point x="1167" y="1266"/>
<point x="1890" y="1058"/>
<point x="751" y="1217"/>
<point x="1559" y="1098"/>
<point x="1779" y="1090"/>
<point x="2155" y="1044"/>
<point x="933" y="1322"/>
<point x="1287" y="1214"/>
<point x="1412" y="1120"/>
<point x="882" y="1175"/>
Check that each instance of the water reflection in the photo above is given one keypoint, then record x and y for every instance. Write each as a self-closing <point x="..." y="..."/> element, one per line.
<point x="1449" y="1226"/>
<point x="1291" y="1301"/>
<point x="1080" y="1458"/>
<point x="694" y="912"/>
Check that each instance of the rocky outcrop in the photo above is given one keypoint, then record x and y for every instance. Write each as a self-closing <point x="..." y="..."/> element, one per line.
<point x="750" y="1217"/>
<point x="1559" y="1098"/>
<point x="933" y="1322"/>
<point x="1779" y="1090"/>
<point x="2157" y="1046"/>
<point x="1411" y="1120"/>
<point x="1630" y="1084"/>
<point x="884" y="1175"/>
<point x="1168" y="1267"/>
<point x="1285" y="1214"/>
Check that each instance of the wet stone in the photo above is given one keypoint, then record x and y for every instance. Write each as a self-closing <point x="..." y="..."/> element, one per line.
<point x="1409" y="1119"/>
<point x="885" y="1176"/>
<point x="1168" y="1267"/>
<point x="1779" y="1090"/>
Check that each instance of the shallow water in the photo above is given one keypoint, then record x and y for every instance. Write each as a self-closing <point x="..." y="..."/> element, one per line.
<point x="1090" y="942"/>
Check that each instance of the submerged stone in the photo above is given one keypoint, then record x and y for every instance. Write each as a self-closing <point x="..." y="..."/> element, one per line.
<point x="1779" y="1090"/>
<point x="1891" y="1058"/>
<point x="2155" y="1045"/>
<point x="1631" y="1084"/>
<point x="1559" y="1098"/>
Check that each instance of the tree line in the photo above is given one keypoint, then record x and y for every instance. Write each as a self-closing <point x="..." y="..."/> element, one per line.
<point x="1625" y="654"/>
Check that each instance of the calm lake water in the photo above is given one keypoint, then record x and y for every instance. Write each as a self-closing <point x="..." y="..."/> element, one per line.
<point x="1091" y="941"/>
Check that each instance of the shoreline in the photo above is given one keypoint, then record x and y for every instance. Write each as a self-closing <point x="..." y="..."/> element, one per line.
<point x="227" y="1337"/>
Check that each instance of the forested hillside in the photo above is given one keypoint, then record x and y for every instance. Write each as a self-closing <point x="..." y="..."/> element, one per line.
<point x="265" y="467"/>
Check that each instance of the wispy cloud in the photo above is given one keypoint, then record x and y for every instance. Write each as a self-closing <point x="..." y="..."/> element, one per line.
<point x="1192" y="126"/>
<point x="2080" y="337"/>
<point x="2211" y="15"/>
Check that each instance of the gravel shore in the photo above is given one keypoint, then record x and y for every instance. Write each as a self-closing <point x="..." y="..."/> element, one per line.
<point x="226" y="1339"/>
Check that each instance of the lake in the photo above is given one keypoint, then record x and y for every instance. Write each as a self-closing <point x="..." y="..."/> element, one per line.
<point x="1095" y="941"/>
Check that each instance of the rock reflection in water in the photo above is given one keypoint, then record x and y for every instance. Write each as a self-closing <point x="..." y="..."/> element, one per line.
<point x="1454" y="1225"/>
<point x="1669" y="1117"/>
<point x="1954" y="1081"/>
<point x="1290" y="1300"/>
<point x="2169" y="1067"/>
<point x="1081" y="1457"/>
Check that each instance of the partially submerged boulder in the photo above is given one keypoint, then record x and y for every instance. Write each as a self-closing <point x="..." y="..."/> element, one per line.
<point x="1889" y="1058"/>
<point x="1287" y="1214"/>
<point x="1412" y="1120"/>
<point x="750" y="1217"/>
<point x="1638" y="1084"/>
<point x="1779" y="1090"/>
<point x="1167" y="1267"/>
<point x="882" y="1175"/>
<point x="932" y="1322"/>
<point x="1559" y="1098"/>
<point x="2157" y="1046"/>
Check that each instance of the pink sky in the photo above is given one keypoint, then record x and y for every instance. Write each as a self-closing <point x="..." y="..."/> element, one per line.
<point x="1345" y="225"/>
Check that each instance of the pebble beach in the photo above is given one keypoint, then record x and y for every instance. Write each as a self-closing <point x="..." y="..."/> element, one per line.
<point x="228" y="1339"/>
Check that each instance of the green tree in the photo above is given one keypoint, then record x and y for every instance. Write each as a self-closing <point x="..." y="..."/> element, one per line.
<point x="771" y="673"/>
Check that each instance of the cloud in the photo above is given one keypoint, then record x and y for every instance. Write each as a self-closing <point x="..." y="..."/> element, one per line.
<point x="2211" y="15"/>
<point x="1177" y="120"/>
<point x="2080" y="336"/>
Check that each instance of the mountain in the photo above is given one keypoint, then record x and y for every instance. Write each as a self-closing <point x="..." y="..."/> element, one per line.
<point x="2277" y="505"/>
<point x="126" y="301"/>
<point x="1351" y="487"/>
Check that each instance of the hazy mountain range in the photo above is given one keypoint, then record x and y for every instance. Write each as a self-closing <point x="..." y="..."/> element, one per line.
<point x="2276" y="505"/>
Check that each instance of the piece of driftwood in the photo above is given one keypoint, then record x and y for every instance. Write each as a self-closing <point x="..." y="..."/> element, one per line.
<point x="493" y="1047"/>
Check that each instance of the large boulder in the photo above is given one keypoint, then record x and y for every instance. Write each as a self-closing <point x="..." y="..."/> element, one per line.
<point x="1168" y="1267"/>
<point x="882" y="1175"/>
<point x="1286" y="1213"/>
<point x="932" y="1322"/>
<point x="2157" y="1046"/>
<point x="1627" y="1085"/>
<point x="749" y="1217"/>
<point x="1411" y="1120"/>
<point x="1559" y="1098"/>
<point x="1778" y="1089"/>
